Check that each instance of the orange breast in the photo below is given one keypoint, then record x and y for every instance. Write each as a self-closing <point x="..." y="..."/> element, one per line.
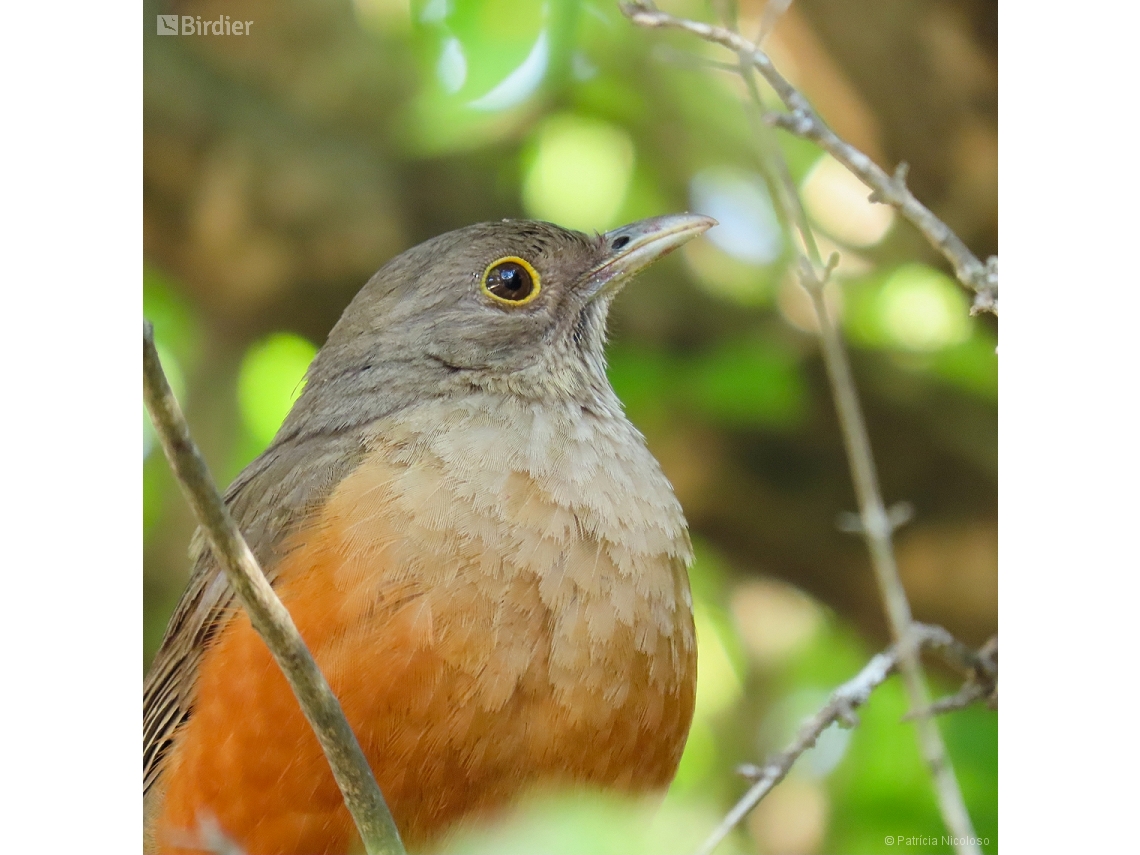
<point x="464" y="677"/>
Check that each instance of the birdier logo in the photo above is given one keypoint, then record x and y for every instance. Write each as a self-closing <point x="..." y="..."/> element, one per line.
<point x="193" y="25"/>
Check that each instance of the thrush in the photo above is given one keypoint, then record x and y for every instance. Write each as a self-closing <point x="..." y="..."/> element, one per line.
<point x="484" y="558"/>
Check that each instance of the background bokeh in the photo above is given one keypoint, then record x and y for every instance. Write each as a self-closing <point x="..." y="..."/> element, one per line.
<point x="283" y="168"/>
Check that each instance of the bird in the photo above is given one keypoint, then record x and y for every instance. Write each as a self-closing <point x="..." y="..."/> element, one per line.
<point x="486" y="561"/>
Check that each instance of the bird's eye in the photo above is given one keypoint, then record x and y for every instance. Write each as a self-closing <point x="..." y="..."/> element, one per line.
<point x="511" y="281"/>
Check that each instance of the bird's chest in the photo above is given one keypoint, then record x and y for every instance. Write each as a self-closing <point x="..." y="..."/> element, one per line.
<point x="537" y="559"/>
<point x="497" y="599"/>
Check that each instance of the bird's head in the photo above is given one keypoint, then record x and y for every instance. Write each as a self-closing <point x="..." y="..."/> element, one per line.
<point x="514" y="307"/>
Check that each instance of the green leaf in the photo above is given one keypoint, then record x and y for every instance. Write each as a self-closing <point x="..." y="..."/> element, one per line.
<point x="271" y="378"/>
<point x="483" y="62"/>
<point x="578" y="173"/>
<point x="913" y="308"/>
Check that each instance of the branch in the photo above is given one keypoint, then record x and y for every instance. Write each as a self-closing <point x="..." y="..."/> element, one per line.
<point x="874" y="521"/>
<point x="840" y="707"/>
<point x="361" y="794"/>
<point x="877" y="528"/>
<point x="981" y="674"/>
<point x="803" y="121"/>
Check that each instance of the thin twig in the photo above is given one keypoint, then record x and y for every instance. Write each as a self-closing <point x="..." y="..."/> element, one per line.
<point x="977" y="664"/>
<point x="875" y="523"/>
<point x="361" y="794"/>
<point x="803" y="121"/>
<point x="840" y="708"/>
<point x="684" y="59"/>
<point x="964" y="697"/>
<point x="981" y="670"/>
<point x="877" y="531"/>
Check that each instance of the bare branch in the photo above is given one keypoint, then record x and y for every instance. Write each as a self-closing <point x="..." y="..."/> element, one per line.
<point x="877" y="529"/>
<point x="840" y="708"/>
<point x="978" y="665"/>
<point x="667" y="55"/>
<point x="803" y="121"/>
<point x="361" y="794"/>
<point x="964" y="697"/>
<point x="874" y="522"/>
<point x="981" y="670"/>
<point x="898" y="515"/>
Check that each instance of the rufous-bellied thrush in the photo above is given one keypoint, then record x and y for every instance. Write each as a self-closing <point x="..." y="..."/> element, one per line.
<point x="486" y="561"/>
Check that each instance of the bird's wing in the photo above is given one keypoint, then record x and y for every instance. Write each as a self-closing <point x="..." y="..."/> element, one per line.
<point x="272" y="497"/>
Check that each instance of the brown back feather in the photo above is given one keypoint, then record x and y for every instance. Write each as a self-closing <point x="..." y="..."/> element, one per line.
<point x="271" y="498"/>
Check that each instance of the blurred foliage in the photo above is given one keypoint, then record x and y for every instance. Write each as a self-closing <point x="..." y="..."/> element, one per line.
<point x="281" y="169"/>
<point x="270" y="381"/>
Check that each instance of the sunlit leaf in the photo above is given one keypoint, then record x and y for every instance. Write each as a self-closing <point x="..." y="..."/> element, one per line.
<point x="270" y="380"/>
<point x="483" y="61"/>
<point x="923" y="315"/>
<point x="913" y="307"/>
<point x="579" y="172"/>
<point x="838" y="201"/>
<point x="595" y="823"/>
<point x="922" y="309"/>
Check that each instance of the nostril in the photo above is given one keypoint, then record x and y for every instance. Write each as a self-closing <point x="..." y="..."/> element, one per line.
<point x="621" y="241"/>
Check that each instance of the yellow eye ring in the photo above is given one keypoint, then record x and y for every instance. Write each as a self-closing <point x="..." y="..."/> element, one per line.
<point x="511" y="281"/>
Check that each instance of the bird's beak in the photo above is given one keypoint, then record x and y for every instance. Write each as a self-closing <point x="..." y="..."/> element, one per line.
<point x="634" y="247"/>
